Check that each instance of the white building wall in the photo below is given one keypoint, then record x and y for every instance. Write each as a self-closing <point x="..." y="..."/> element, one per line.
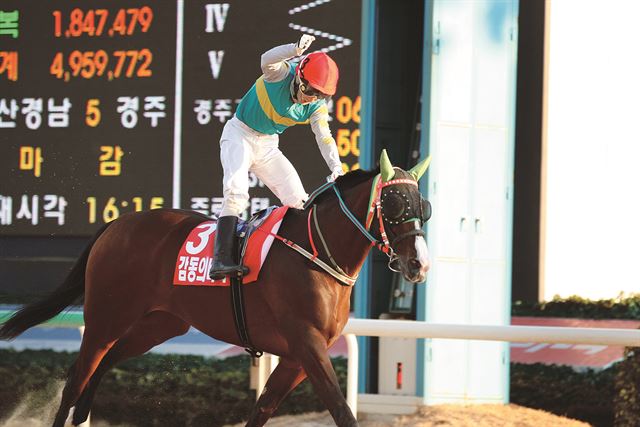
<point x="591" y="205"/>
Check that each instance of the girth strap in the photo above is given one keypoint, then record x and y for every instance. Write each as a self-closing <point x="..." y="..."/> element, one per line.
<point x="237" y="305"/>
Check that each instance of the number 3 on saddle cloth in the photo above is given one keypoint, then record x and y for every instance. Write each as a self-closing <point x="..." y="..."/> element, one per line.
<point x="196" y="254"/>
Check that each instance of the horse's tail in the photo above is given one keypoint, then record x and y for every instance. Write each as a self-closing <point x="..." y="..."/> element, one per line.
<point x="64" y="295"/>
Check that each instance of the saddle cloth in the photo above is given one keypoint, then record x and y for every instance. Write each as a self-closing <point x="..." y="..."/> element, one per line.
<point x="196" y="254"/>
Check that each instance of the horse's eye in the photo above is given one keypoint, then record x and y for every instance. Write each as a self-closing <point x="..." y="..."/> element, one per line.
<point x="393" y="206"/>
<point x="425" y="209"/>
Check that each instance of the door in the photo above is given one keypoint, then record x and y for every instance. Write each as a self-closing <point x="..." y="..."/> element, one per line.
<point x="471" y="140"/>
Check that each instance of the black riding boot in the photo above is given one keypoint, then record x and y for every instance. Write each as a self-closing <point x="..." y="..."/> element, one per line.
<point x="224" y="252"/>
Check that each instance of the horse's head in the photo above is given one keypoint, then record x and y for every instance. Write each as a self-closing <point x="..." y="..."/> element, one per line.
<point x="403" y="212"/>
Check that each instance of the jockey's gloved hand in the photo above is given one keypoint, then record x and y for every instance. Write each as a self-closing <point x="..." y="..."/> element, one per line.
<point x="304" y="43"/>
<point x="335" y="174"/>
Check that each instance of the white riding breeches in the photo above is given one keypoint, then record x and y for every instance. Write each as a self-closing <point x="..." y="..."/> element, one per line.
<point x="243" y="149"/>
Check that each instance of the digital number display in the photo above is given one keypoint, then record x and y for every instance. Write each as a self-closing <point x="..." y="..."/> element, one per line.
<point x="108" y="107"/>
<point x="98" y="22"/>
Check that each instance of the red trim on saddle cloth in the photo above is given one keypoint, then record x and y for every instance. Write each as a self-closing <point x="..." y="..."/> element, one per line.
<point x="196" y="254"/>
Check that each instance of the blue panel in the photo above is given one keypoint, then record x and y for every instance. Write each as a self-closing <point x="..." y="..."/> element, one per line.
<point x="367" y="58"/>
<point x="425" y="129"/>
<point x="514" y="13"/>
<point x="497" y="15"/>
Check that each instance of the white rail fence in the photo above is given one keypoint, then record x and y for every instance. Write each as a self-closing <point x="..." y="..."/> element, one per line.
<point x="414" y="329"/>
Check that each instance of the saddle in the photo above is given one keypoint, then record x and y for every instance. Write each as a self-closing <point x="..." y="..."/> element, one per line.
<point x="246" y="228"/>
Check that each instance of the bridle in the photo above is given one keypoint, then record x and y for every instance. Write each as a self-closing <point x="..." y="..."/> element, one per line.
<point x="387" y="246"/>
<point x="375" y="206"/>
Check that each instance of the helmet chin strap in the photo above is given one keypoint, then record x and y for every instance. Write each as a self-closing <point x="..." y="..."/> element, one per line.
<point x="293" y="87"/>
<point x="296" y="93"/>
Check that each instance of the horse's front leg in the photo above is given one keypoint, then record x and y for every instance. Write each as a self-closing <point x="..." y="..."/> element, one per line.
<point x="282" y="380"/>
<point x="311" y="350"/>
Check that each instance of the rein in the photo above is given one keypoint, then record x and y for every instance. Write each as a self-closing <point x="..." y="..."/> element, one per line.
<point x="375" y="206"/>
<point x="342" y="278"/>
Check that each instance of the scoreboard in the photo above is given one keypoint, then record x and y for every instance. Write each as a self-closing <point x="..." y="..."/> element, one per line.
<point x="108" y="107"/>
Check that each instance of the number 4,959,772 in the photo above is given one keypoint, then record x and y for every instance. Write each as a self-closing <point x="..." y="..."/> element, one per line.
<point x="120" y="63"/>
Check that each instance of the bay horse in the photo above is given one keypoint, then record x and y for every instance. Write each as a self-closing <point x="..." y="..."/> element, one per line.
<point x="295" y="309"/>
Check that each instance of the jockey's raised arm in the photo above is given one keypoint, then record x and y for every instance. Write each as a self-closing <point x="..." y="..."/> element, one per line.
<point x="328" y="148"/>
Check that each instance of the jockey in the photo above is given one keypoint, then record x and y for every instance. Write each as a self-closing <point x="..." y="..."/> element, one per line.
<point x="285" y="95"/>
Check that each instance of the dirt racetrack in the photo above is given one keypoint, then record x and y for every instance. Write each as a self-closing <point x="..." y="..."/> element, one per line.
<point x="441" y="416"/>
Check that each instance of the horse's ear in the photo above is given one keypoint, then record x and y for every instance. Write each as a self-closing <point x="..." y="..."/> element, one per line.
<point x="386" y="168"/>
<point x="418" y="170"/>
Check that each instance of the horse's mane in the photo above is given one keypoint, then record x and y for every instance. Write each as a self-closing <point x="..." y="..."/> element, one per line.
<point x="348" y="180"/>
<point x="355" y="177"/>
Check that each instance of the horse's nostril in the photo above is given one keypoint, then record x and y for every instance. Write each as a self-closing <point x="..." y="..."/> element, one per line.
<point x="414" y="264"/>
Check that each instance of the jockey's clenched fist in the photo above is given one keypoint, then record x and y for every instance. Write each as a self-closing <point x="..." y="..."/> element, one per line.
<point x="304" y="43"/>
<point x="335" y="174"/>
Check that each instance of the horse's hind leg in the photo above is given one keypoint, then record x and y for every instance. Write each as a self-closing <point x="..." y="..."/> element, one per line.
<point x="91" y="353"/>
<point x="282" y="380"/>
<point x="153" y="329"/>
<point x="311" y="350"/>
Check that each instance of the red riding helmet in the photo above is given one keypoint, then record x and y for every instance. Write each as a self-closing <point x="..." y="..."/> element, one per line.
<point x="320" y="71"/>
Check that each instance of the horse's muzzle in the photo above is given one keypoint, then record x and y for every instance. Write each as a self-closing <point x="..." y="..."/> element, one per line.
<point x="418" y="266"/>
<point x="416" y="271"/>
<point x="413" y="268"/>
